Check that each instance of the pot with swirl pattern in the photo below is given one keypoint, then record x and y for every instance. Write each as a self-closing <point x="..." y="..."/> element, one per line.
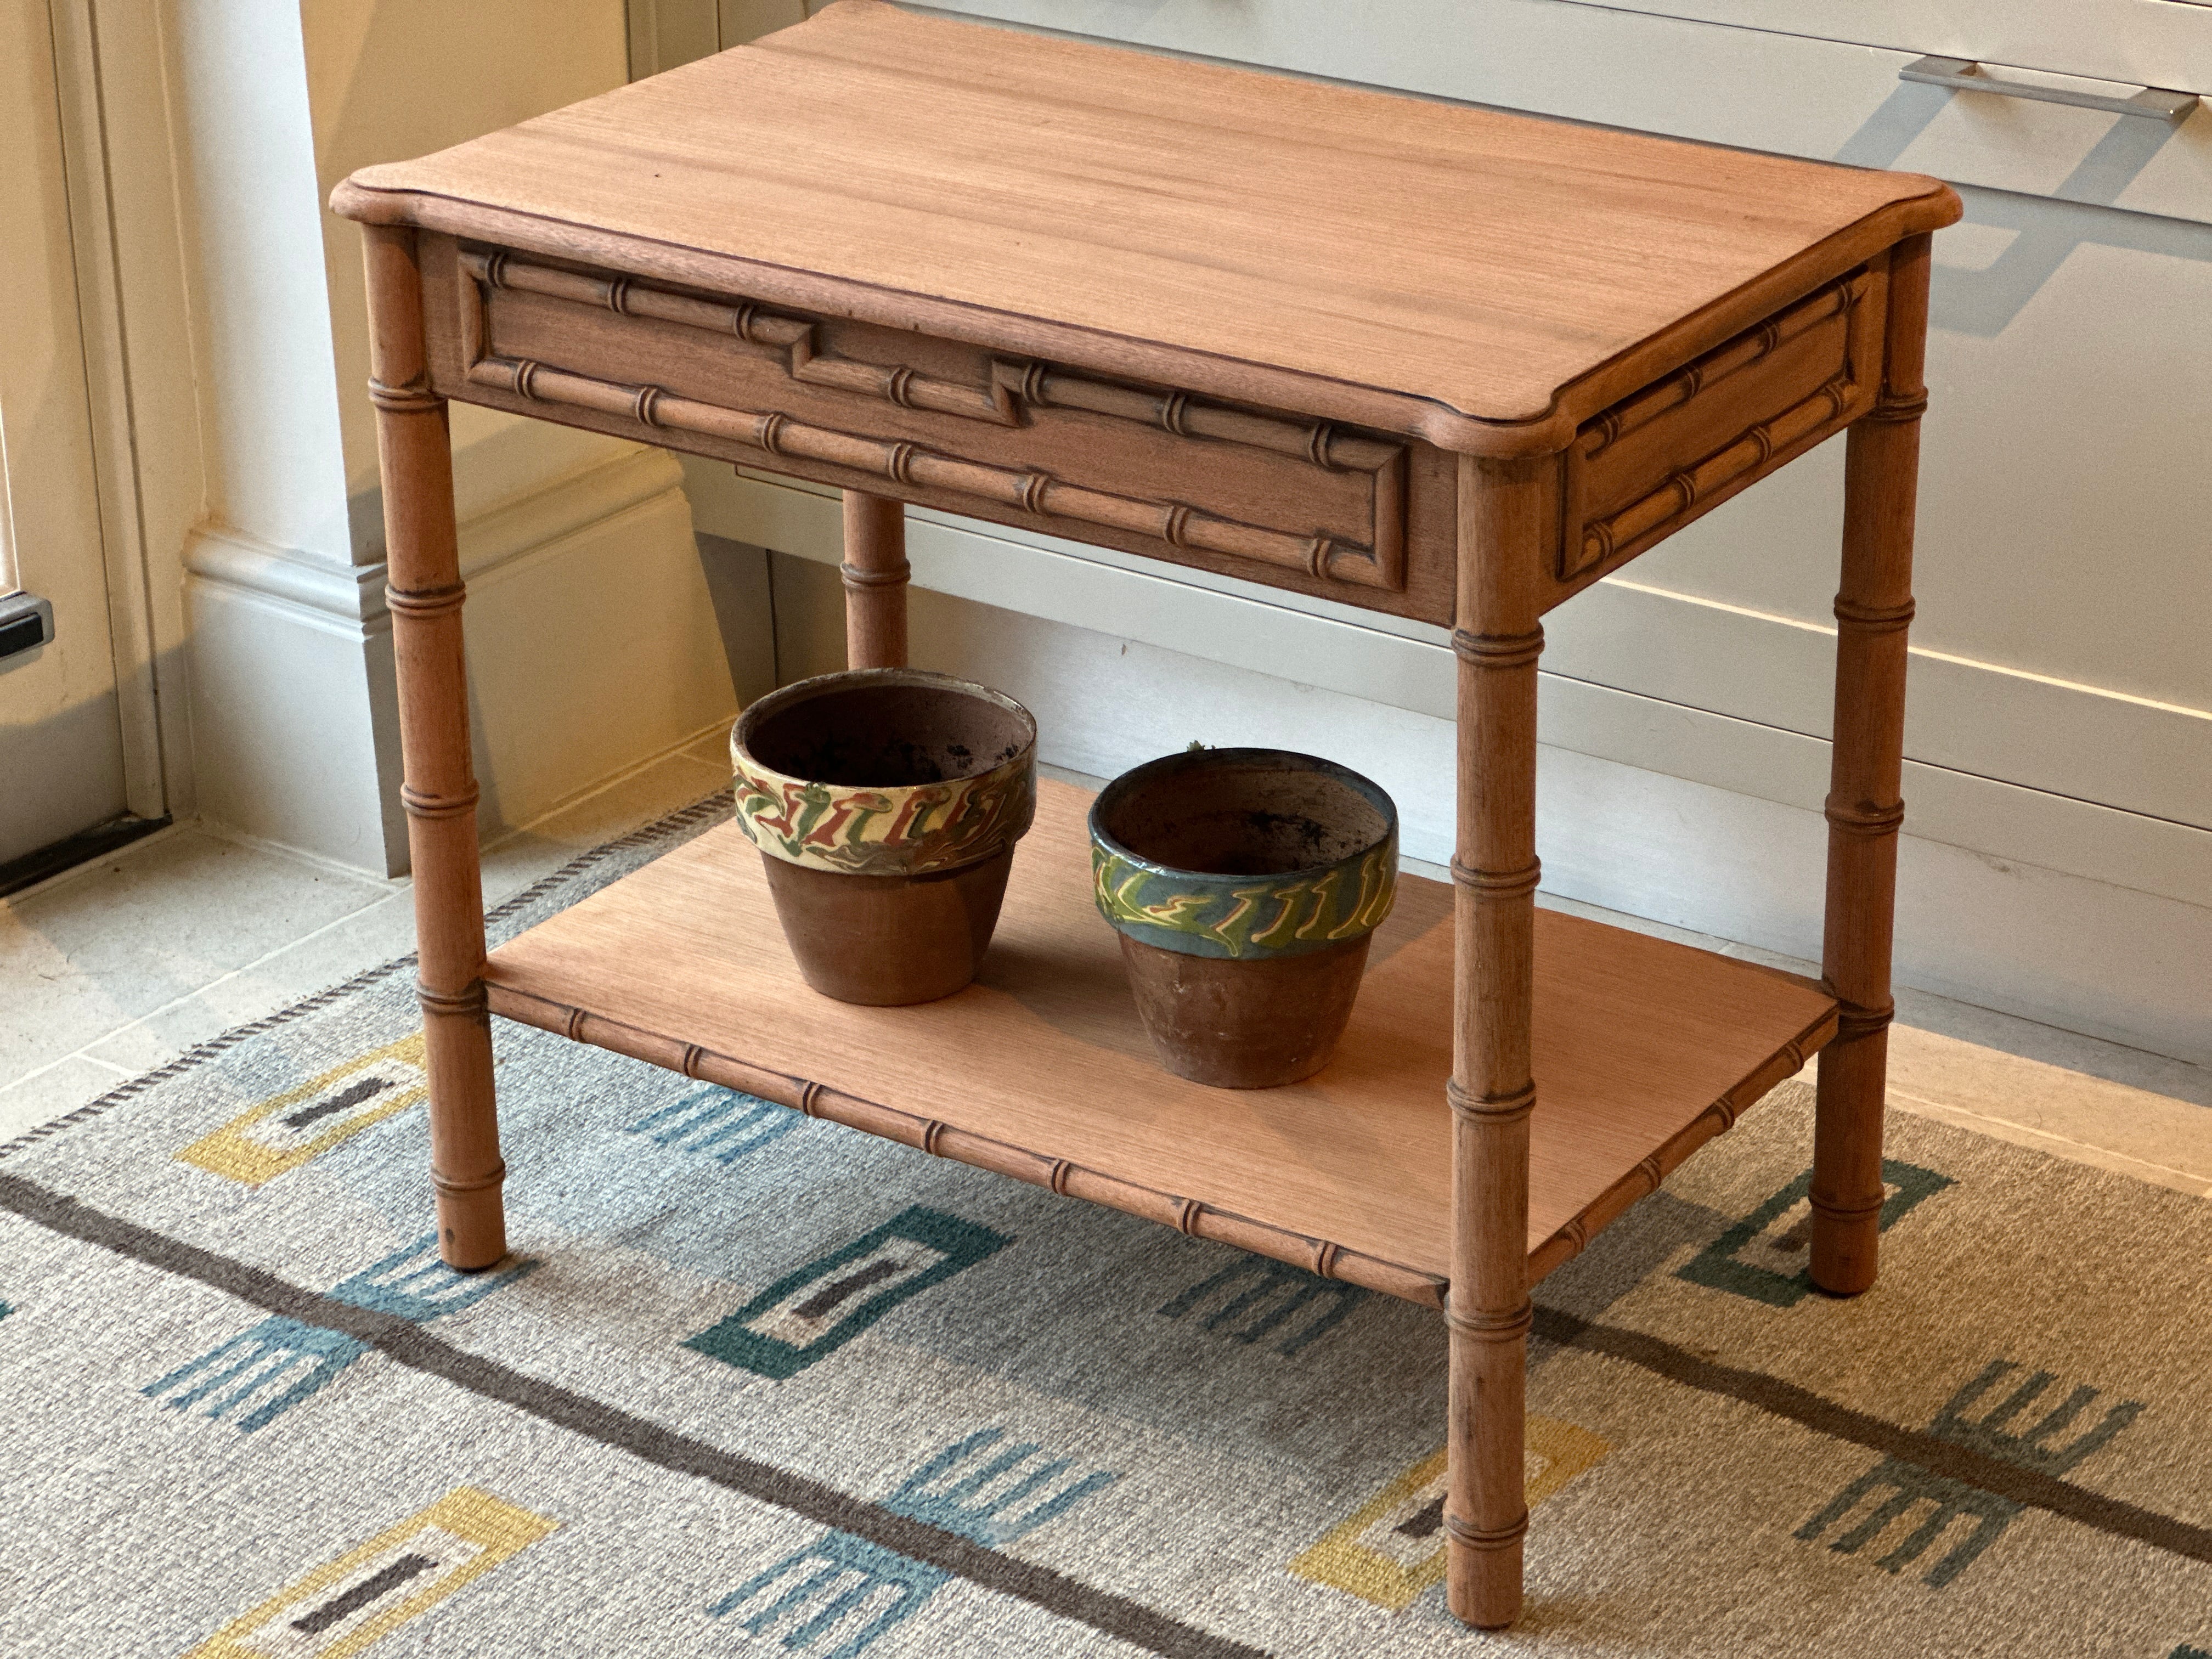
<point x="886" y="802"/>
<point x="1245" y="884"/>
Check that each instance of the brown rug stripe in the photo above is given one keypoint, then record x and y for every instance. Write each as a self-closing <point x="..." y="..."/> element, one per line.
<point x="409" y="1345"/>
<point x="1825" y="1416"/>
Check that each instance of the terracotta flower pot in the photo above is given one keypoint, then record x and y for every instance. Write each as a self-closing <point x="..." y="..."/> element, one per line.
<point x="886" y="802"/>
<point x="1244" y="883"/>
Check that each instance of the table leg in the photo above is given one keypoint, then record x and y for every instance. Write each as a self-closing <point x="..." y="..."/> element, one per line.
<point x="1873" y="608"/>
<point x="1503" y="520"/>
<point x="875" y="573"/>
<point x="440" y="792"/>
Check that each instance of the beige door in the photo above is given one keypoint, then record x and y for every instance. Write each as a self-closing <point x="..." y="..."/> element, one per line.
<point x="60" y="741"/>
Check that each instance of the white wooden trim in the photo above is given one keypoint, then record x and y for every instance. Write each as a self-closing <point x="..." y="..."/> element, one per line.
<point x="490" y="538"/>
<point x="100" y="324"/>
<point x="112" y="64"/>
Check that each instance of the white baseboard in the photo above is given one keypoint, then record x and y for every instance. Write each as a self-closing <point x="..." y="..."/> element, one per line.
<point x="593" y="639"/>
<point x="2066" y="911"/>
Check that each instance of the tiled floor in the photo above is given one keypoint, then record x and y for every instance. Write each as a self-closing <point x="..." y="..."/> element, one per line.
<point x="112" y="969"/>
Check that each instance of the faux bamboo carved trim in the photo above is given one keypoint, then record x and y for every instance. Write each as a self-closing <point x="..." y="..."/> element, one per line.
<point x="903" y="463"/>
<point x="425" y="601"/>
<point x="1500" y="883"/>
<point x="470" y="1001"/>
<point x="1498" y="650"/>
<point x="896" y="575"/>
<point x="1480" y="1538"/>
<point x="1508" y="1108"/>
<point x="1874" y="618"/>
<point x="791" y="340"/>
<point x="451" y="1185"/>
<point x="1321" y="442"/>
<point x="1862" y="1022"/>
<point x="1588" y="547"/>
<point x="1490" y="1324"/>
<point x="1015" y="389"/>
<point x="1843" y="1212"/>
<point x="1649" y="518"/>
<point x="1898" y="407"/>
<point x="421" y="804"/>
<point x="1854" y="820"/>
<point x="1563" y="1245"/>
<point x="413" y="398"/>
<point x="1013" y="385"/>
<point x="1835" y="301"/>
<point x="1059" y="1175"/>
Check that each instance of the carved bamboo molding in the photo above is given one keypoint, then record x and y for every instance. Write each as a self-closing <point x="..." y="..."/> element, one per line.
<point x="903" y="463"/>
<point x="1595" y="542"/>
<point x="1189" y="1215"/>
<point x="1015" y="388"/>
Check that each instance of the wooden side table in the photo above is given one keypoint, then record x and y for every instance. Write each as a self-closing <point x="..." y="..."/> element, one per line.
<point x="1437" y="361"/>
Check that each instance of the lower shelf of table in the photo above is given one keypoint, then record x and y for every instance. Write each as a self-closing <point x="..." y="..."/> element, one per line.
<point x="1643" y="1051"/>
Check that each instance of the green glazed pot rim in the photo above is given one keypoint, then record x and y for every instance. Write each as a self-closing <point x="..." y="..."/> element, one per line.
<point x="1203" y="913"/>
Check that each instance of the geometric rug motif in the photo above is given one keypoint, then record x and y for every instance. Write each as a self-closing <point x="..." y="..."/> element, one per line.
<point x="1764" y="1255"/>
<point x="837" y="1593"/>
<point x="286" y="1131"/>
<point x="1392" y="1548"/>
<point x="346" y="1605"/>
<point x="818" y="1307"/>
<point x="1895" y="1490"/>
<point x="411" y="1283"/>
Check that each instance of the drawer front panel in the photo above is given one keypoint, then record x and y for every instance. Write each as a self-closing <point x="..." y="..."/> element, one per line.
<point x="1655" y="461"/>
<point x="1345" y="514"/>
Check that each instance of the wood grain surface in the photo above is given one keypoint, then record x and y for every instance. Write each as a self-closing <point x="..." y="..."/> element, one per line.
<point x="1636" y="1041"/>
<point x="1484" y="280"/>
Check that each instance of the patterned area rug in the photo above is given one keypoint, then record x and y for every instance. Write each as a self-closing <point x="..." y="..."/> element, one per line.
<point x="753" y="1383"/>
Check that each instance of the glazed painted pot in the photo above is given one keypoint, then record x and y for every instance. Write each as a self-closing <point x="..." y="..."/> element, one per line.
<point x="1245" y="884"/>
<point x="886" y="802"/>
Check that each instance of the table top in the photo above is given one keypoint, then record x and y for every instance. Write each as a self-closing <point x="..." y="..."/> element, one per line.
<point x="1482" y="280"/>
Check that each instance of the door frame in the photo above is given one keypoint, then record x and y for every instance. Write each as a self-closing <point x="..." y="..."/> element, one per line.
<point x="112" y="75"/>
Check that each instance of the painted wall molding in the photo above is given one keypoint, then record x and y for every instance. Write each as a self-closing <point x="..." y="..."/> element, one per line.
<point x="494" y="534"/>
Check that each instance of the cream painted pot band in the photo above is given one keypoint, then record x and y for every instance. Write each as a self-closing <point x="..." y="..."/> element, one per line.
<point x="889" y="829"/>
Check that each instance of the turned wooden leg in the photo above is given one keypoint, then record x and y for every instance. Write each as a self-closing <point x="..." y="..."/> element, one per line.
<point x="1873" y="608"/>
<point x="876" y="572"/>
<point x="424" y="595"/>
<point x="1491" y="1091"/>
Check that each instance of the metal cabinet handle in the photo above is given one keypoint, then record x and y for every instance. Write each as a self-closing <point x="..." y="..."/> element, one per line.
<point x="2159" y="103"/>
<point x="27" y="621"/>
